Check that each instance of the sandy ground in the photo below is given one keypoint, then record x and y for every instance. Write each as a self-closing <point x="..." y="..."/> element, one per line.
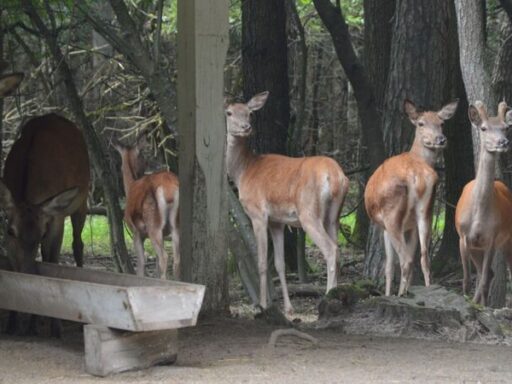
<point x="236" y="351"/>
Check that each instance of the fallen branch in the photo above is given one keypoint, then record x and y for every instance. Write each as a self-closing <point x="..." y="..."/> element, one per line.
<point x="290" y="332"/>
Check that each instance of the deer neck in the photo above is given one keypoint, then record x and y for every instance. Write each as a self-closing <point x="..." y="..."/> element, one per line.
<point x="238" y="157"/>
<point x="429" y="155"/>
<point x="483" y="191"/>
<point x="128" y="174"/>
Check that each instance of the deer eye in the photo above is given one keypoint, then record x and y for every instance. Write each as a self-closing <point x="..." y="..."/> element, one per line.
<point x="420" y="124"/>
<point x="483" y="128"/>
<point x="229" y="113"/>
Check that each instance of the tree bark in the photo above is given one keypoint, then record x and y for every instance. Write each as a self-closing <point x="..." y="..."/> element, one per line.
<point x="265" y="68"/>
<point x="202" y="47"/>
<point x="418" y="70"/>
<point x="102" y="166"/>
<point x="378" y="18"/>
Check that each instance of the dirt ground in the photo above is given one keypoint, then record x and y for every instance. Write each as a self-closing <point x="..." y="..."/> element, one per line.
<point x="235" y="351"/>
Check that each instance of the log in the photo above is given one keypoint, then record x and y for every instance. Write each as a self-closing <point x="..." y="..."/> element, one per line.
<point x="109" y="351"/>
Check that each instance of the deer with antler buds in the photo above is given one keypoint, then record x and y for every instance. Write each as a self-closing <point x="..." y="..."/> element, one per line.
<point x="483" y="217"/>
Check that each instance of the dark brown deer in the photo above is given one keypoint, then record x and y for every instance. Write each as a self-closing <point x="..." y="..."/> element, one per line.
<point x="46" y="178"/>
<point x="152" y="205"/>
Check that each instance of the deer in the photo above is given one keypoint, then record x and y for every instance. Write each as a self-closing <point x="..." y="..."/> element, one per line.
<point x="277" y="190"/>
<point x="152" y="205"/>
<point x="483" y="217"/>
<point x="46" y="178"/>
<point x="399" y="195"/>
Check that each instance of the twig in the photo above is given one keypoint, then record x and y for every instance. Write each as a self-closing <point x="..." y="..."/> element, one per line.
<point x="290" y="332"/>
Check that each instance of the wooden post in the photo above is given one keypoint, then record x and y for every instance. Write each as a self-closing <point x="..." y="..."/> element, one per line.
<point x="202" y="48"/>
<point x="110" y="351"/>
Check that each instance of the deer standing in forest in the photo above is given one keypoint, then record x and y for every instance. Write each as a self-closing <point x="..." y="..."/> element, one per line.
<point x="277" y="190"/>
<point x="152" y="205"/>
<point x="483" y="217"/>
<point x="399" y="195"/>
<point x="46" y="178"/>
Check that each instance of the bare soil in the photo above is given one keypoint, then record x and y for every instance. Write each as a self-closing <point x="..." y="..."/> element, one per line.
<point x="235" y="350"/>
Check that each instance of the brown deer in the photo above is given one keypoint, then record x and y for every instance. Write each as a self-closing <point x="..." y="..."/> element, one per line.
<point x="277" y="190"/>
<point x="152" y="205"/>
<point x="399" y="195"/>
<point x="46" y="178"/>
<point x="483" y="217"/>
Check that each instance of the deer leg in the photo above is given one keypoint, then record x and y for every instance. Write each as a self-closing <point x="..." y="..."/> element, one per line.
<point x="390" y="262"/>
<point x="52" y="241"/>
<point x="138" y="245"/>
<point x="483" y="284"/>
<point x="424" y="232"/>
<point x="78" y="221"/>
<point x="410" y="249"/>
<point x="464" y="256"/>
<point x="260" y="232"/>
<point x="329" y="248"/>
<point x="476" y="256"/>
<point x="162" y="257"/>
<point x="277" y="233"/>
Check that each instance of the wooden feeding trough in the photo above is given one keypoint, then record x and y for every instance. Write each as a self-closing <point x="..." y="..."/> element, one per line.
<point x="151" y="310"/>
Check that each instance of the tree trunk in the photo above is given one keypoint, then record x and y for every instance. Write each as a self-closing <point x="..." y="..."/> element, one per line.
<point x="202" y="47"/>
<point x="418" y="70"/>
<point x="265" y="68"/>
<point x="102" y="166"/>
<point x="378" y="17"/>
<point x="458" y="158"/>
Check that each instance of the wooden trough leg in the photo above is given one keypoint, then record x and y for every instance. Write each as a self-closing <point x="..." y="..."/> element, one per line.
<point x="110" y="351"/>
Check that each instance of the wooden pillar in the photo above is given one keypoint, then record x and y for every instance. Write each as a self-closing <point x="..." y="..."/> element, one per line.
<point x="202" y="48"/>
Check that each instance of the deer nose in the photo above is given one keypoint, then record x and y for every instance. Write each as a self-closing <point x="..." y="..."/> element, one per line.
<point x="246" y="126"/>
<point x="503" y="142"/>
<point x="441" y="140"/>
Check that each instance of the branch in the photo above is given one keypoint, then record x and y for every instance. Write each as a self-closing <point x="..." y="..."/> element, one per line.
<point x="507" y="6"/>
<point x="290" y="332"/>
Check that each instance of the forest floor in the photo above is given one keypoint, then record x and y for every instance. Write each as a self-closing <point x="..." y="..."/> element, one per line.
<point x="235" y="349"/>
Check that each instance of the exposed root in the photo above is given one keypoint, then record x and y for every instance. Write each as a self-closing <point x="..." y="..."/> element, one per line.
<point x="290" y="332"/>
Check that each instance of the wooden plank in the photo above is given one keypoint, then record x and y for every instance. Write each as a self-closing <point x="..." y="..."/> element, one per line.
<point x="109" y="351"/>
<point x="94" y="298"/>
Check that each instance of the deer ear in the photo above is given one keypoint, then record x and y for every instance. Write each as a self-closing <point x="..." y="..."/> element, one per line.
<point x="448" y="110"/>
<point x="59" y="203"/>
<point x="116" y="144"/>
<point x="474" y="116"/>
<point x="411" y="111"/>
<point x="508" y="118"/>
<point x="258" y="101"/>
<point x="9" y="83"/>
<point x="6" y="199"/>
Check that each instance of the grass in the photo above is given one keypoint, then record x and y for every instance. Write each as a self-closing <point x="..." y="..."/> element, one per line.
<point x="96" y="237"/>
<point x="96" y="234"/>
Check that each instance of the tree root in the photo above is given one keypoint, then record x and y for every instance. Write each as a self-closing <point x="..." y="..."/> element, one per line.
<point x="290" y="332"/>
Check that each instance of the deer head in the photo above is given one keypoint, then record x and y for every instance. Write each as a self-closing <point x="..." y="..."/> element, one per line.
<point x="493" y="130"/>
<point x="238" y="115"/>
<point x="27" y="223"/>
<point x="429" y="125"/>
<point x="130" y="156"/>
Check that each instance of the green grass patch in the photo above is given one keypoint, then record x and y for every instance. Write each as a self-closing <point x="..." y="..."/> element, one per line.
<point x="96" y="237"/>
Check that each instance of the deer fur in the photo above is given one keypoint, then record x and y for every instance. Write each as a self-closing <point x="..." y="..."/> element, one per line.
<point x="276" y="191"/>
<point x="483" y="217"/>
<point x="46" y="178"/>
<point x="399" y="195"/>
<point x="152" y="205"/>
